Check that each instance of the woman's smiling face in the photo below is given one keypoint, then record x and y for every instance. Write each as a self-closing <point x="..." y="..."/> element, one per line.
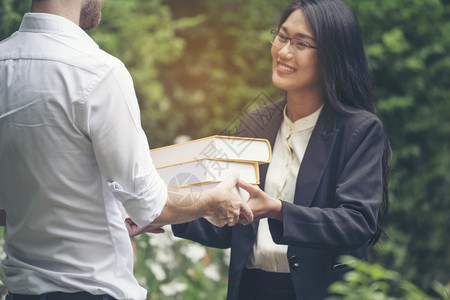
<point x="295" y="70"/>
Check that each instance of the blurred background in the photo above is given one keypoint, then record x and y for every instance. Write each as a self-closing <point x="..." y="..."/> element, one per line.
<point x="199" y="65"/>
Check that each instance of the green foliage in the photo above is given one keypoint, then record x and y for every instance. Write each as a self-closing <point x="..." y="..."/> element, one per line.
<point x="172" y="268"/>
<point x="407" y="47"/>
<point x="225" y="64"/>
<point x="372" y="281"/>
<point x="11" y="12"/>
<point x="143" y="35"/>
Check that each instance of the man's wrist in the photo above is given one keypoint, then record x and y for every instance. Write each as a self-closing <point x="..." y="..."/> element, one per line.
<point x="205" y="203"/>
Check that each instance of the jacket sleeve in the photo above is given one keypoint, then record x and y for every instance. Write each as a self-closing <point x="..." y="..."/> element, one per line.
<point x="203" y="232"/>
<point x="345" y="209"/>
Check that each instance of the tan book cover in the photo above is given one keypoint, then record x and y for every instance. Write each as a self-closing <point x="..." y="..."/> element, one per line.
<point x="216" y="147"/>
<point x="196" y="190"/>
<point x="207" y="171"/>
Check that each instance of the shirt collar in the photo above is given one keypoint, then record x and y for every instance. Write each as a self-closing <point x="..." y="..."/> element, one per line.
<point x="54" y="24"/>
<point x="301" y="124"/>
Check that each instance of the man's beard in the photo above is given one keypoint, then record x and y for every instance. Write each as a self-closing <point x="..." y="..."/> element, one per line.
<point x="91" y="13"/>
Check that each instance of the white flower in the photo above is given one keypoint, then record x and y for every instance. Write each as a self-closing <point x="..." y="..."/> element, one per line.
<point x="142" y="281"/>
<point x="172" y="288"/>
<point x="212" y="271"/>
<point x="165" y="257"/>
<point x="226" y="256"/>
<point x="156" y="269"/>
<point x="191" y="272"/>
<point x="142" y="244"/>
<point x="194" y="252"/>
<point x="163" y="240"/>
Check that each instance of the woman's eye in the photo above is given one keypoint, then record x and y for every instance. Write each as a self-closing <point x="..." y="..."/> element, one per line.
<point x="281" y="38"/>
<point x="301" y="44"/>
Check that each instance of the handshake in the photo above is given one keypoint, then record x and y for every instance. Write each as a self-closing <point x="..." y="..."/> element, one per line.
<point x="221" y="205"/>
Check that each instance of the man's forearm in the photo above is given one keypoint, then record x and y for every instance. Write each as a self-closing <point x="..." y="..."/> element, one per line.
<point x="183" y="207"/>
<point x="220" y="205"/>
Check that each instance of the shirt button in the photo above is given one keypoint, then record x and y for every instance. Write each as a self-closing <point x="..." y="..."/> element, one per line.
<point x="294" y="261"/>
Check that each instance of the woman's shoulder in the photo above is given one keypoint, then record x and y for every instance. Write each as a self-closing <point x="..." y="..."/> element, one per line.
<point x="263" y="121"/>
<point x="359" y="125"/>
<point x="357" y="117"/>
<point x="268" y="109"/>
<point x="266" y="114"/>
<point x="345" y="121"/>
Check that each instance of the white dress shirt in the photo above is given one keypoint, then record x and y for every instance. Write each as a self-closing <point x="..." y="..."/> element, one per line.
<point x="289" y="149"/>
<point x="73" y="155"/>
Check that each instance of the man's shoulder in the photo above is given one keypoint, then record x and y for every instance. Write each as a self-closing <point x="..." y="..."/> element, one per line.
<point x="59" y="49"/>
<point x="101" y="57"/>
<point x="90" y="59"/>
<point x="6" y="44"/>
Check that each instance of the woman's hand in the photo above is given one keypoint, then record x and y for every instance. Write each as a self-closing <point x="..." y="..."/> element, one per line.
<point x="226" y="206"/>
<point x="261" y="204"/>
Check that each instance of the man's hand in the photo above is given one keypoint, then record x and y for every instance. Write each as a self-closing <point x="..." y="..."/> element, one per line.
<point x="134" y="229"/>
<point x="226" y="206"/>
<point x="261" y="204"/>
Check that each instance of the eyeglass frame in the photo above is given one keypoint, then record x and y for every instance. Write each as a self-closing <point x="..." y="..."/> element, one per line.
<point x="277" y="34"/>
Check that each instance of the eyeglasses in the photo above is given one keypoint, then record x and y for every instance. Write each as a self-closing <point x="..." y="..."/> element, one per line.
<point x="279" y="40"/>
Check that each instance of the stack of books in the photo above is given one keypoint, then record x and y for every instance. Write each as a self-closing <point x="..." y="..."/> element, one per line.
<point x="203" y="163"/>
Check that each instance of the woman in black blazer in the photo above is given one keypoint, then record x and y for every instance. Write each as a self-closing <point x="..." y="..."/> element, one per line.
<point x="324" y="194"/>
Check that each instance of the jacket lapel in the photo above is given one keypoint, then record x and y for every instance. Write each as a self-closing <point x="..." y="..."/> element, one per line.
<point x="316" y="157"/>
<point x="269" y="133"/>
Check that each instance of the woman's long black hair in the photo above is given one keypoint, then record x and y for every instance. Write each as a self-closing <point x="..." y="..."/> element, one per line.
<point x="345" y="74"/>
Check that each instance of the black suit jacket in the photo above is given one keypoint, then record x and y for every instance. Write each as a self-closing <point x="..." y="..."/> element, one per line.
<point x="338" y="194"/>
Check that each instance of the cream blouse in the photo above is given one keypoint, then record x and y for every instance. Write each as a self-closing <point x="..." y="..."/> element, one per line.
<point x="289" y="149"/>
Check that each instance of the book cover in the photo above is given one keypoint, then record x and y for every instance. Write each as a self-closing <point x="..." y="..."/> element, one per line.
<point x="215" y="147"/>
<point x="207" y="171"/>
<point x="196" y="190"/>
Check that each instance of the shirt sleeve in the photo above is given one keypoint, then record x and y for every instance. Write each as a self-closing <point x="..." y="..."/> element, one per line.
<point x="121" y="148"/>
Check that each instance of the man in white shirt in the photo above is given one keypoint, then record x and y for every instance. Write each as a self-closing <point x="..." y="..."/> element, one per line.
<point x="75" y="162"/>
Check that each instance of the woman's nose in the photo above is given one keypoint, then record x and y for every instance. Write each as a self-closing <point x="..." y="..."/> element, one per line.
<point x="286" y="50"/>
